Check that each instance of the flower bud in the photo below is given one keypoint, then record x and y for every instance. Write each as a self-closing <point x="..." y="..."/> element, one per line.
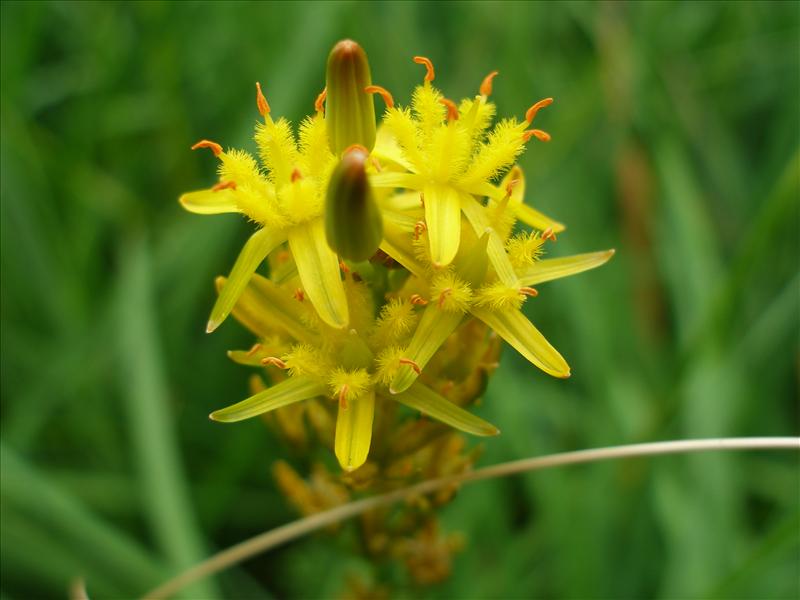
<point x="350" y="111"/>
<point x="353" y="223"/>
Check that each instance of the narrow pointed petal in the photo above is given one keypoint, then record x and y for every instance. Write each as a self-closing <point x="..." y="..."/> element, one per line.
<point x="397" y="234"/>
<point x="517" y="330"/>
<point x="354" y="431"/>
<point x="255" y="250"/>
<point x="390" y="179"/>
<point x="286" y="392"/>
<point x="318" y="267"/>
<point x="209" y="202"/>
<point x="264" y="308"/>
<point x="556" y="268"/>
<point x="476" y="215"/>
<point x="420" y="397"/>
<point x="434" y="328"/>
<point x="531" y="216"/>
<point x="443" y="218"/>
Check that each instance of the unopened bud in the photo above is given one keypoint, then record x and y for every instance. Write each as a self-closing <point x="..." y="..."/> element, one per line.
<point x="353" y="223"/>
<point x="350" y="111"/>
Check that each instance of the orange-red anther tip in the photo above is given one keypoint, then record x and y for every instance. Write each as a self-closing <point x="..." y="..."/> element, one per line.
<point x="319" y="103"/>
<point x="529" y="116"/>
<point x="296" y="174"/>
<point x="387" y="97"/>
<point x="486" y="84"/>
<point x="540" y="135"/>
<point x="224" y="185"/>
<point x="215" y="148"/>
<point x="299" y="295"/>
<point x="355" y="148"/>
<point x="549" y="234"/>
<point x="274" y="361"/>
<point x="529" y="291"/>
<point x="343" y="397"/>
<point x="261" y="101"/>
<point x="412" y="364"/>
<point x="417" y="300"/>
<point x="421" y="60"/>
<point x="452" y="109"/>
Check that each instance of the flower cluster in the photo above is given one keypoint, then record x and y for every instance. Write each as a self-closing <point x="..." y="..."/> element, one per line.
<point x="383" y="244"/>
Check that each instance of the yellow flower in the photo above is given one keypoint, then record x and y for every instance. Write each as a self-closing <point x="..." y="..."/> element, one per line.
<point x="450" y="156"/>
<point x="285" y="199"/>
<point x="349" y="366"/>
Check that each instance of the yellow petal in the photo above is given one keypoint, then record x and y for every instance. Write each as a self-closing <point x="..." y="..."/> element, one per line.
<point x="265" y="308"/>
<point x="443" y="218"/>
<point x="434" y="328"/>
<point x="390" y="179"/>
<point x="354" y="431"/>
<point x="255" y="250"/>
<point x="318" y="267"/>
<point x="476" y="215"/>
<point x="209" y="202"/>
<point x="556" y="268"/>
<point x="531" y="216"/>
<point x="286" y="392"/>
<point x="420" y="397"/>
<point x="397" y="234"/>
<point x="517" y="330"/>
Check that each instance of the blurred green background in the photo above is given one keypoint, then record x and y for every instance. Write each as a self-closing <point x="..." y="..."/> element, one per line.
<point x="675" y="141"/>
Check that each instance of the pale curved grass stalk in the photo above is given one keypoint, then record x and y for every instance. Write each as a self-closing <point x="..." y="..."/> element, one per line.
<point x="285" y="533"/>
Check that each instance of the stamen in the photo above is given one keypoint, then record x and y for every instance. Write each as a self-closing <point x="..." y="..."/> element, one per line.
<point x="417" y="300"/>
<point x="443" y="296"/>
<point x="540" y="135"/>
<point x="510" y="187"/>
<point x="528" y="291"/>
<point x="255" y="348"/>
<point x="412" y="364"/>
<point x="343" y="397"/>
<point x="536" y="107"/>
<point x="376" y="163"/>
<point x="422" y="199"/>
<point x="419" y="228"/>
<point x="344" y="267"/>
<point x="215" y="147"/>
<point x="282" y="256"/>
<point x="452" y="109"/>
<point x="486" y="84"/>
<point x="387" y="97"/>
<point x="299" y="295"/>
<point x="261" y="101"/>
<point x="224" y="185"/>
<point x="549" y="234"/>
<point x="296" y="174"/>
<point x="421" y="60"/>
<point x="274" y="361"/>
<point x="319" y="103"/>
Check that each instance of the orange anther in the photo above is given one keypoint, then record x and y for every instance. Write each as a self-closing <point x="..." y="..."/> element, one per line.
<point x="387" y="97"/>
<point x="535" y="109"/>
<point x="344" y="267"/>
<point x="261" y="101"/>
<point x="486" y="84"/>
<point x="299" y="295"/>
<point x="417" y="300"/>
<point x="419" y="229"/>
<point x="421" y="60"/>
<point x="549" y="234"/>
<point x="412" y="364"/>
<point x="510" y="187"/>
<point x="343" y="397"/>
<point x="296" y="174"/>
<point x="274" y="361"/>
<point x="255" y="348"/>
<point x="540" y="135"/>
<point x="319" y="103"/>
<point x="215" y="147"/>
<point x="282" y="256"/>
<point x="528" y="291"/>
<point x="452" y="109"/>
<point x="443" y="296"/>
<point x="224" y="185"/>
<point x="376" y="163"/>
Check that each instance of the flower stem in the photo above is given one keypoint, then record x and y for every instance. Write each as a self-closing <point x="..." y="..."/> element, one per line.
<point x="285" y="533"/>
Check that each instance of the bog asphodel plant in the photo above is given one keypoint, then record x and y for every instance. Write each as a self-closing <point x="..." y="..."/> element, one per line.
<point x="385" y="246"/>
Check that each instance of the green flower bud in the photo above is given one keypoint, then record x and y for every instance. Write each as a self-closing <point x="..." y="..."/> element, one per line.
<point x="350" y="111"/>
<point x="353" y="223"/>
